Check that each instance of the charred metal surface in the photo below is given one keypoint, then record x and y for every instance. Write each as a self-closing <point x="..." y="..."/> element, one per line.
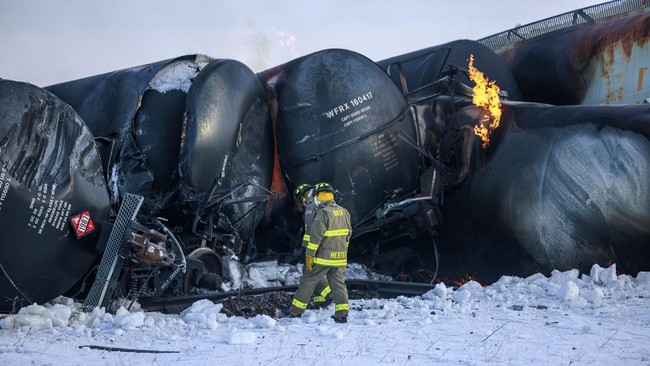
<point x="595" y="63"/>
<point x="157" y="129"/>
<point x="169" y="137"/>
<point x="174" y="127"/>
<point x="228" y="138"/>
<point x="426" y="66"/>
<point x="138" y="111"/>
<point x="337" y="120"/>
<point x="560" y="188"/>
<point x="50" y="170"/>
<point x="108" y="102"/>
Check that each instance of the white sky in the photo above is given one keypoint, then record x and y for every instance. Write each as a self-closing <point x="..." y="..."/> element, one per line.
<point x="50" y="41"/>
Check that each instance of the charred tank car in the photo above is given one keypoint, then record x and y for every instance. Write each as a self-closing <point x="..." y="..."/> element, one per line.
<point x="340" y="119"/>
<point x="187" y="146"/>
<point x="556" y="188"/>
<point x="563" y="187"/>
<point x="136" y="116"/>
<point x="179" y="133"/>
<point x="53" y="198"/>
<point x="421" y="73"/>
<point x="436" y="83"/>
<point x="226" y="157"/>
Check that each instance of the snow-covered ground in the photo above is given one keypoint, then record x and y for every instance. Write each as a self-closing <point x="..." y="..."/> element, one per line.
<point x="599" y="318"/>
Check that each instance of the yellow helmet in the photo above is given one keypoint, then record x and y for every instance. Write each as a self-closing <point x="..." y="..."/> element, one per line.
<point x="301" y="190"/>
<point x="323" y="187"/>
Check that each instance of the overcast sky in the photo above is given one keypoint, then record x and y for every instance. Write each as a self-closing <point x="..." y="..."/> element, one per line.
<point x="50" y="41"/>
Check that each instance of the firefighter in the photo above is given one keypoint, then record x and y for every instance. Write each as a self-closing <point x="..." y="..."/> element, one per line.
<point x="326" y="254"/>
<point x="303" y="196"/>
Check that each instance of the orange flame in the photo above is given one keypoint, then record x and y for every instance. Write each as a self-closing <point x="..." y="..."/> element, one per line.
<point x="485" y="94"/>
<point x="461" y="281"/>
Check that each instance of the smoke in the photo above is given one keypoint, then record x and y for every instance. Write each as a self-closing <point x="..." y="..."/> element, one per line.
<point x="265" y="48"/>
<point x="286" y="40"/>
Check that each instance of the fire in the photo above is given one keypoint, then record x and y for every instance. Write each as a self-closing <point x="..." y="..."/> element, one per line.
<point x="485" y="94"/>
<point x="459" y="282"/>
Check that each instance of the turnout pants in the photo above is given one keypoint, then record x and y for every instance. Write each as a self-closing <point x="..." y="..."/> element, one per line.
<point x="310" y="279"/>
<point x="322" y="290"/>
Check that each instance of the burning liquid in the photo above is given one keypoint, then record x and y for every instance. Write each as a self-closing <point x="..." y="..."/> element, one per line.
<point x="485" y="94"/>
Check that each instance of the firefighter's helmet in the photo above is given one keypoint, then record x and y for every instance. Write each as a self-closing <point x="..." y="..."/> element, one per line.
<point x="300" y="191"/>
<point x="323" y="187"/>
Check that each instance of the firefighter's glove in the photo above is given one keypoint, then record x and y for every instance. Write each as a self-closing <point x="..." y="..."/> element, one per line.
<point x="309" y="262"/>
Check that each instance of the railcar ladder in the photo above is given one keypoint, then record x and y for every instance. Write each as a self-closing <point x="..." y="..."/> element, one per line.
<point x="109" y="268"/>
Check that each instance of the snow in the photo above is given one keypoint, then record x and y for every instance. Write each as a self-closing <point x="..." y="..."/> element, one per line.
<point x="271" y="274"/>
<point x="598" y="318"/>
<point x="178" y="74"/>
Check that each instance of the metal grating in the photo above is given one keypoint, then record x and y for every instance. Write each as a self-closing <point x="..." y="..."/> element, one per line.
<point x="429" y="91"/>
<point x="436" y="88"/>
<point x="428" y="184"/>
<point x="129" y="208"/>
<point x="590" y="14"/>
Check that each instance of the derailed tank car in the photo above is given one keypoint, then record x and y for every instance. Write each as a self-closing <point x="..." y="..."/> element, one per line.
<point x="188" y="149"/>
<point x="435" y="82"/>
<point x="340" y="119"/>
<point x="136" y="116"/>
<point x="441" y="72"/>
<point x="181" y="132"/>
<point x="564" y="187"/>
<point x="541" y="196"/>
<point x="53" y="198"/>
<point x="226" y="157"/>
<point x="419" y="72"/>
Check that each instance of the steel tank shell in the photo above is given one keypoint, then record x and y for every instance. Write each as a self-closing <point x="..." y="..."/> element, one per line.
<point x="430" y="64"/>
<point x="50" y="170"/>
<point x="561" y="187"/>
<point x="228" y="136"/>
<point x="138" y="114"/>
<point x="338" y="120"/>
